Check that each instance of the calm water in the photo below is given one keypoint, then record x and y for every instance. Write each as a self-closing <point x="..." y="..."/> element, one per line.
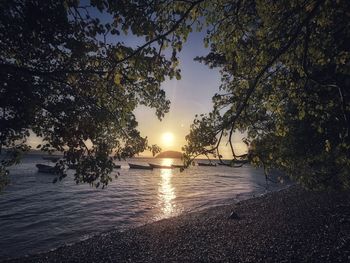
<point x="36" y="215"/>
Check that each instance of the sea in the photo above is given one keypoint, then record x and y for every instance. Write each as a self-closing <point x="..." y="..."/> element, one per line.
<point x="37" y="215"/>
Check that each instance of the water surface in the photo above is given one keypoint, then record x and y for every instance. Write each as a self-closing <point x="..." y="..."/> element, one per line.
<point x="36" y="215"/>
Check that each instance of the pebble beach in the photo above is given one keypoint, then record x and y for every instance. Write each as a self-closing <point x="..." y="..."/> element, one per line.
<point x="291" y="225"/>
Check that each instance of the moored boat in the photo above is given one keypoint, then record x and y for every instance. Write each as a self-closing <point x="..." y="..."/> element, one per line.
<point x="138" y="166"/>
<point x="177" y="166"/>
<point x="206" y="164"/>
<point x="157" y="166"/>
<point x="116" y="166"/>
<point x="226" y="164"/>
<point x="240" y="161"/>
<point x="42" y="168"/>
<point x="234" y="163"/>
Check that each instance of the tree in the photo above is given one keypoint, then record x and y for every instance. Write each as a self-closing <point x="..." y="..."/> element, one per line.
<point x="67" y="76"/>
<point x="285" y="81"/>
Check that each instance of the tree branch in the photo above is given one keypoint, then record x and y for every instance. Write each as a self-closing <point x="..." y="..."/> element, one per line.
<point x="283" y="50"/>
<point x="172" y="29"/>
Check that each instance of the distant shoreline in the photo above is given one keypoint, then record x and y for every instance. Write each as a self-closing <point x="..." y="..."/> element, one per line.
<point x="38" y="152"/>
<point x="288" y="225"/>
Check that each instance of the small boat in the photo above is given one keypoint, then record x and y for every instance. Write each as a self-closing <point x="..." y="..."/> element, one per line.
<point x="51" y="158"/>
<point x="116" y="166"/>
<point x="157" y="166"/>
<point x="177" y="166"/>
<point x="234" y="163"/>
<point x="137" y="166"/>
<point x="42" y="168"/>
<point x="206" y="164"/>
<point x="240" y="161"/>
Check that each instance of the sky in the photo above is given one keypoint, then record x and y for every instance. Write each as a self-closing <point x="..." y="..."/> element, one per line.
<point x="189" y="96"/>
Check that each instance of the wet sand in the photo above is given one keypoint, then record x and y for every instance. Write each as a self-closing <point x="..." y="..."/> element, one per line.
<point x="292" y="225"/>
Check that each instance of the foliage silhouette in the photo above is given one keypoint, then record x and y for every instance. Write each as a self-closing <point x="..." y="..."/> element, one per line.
<point x="67" y="75"/>
<point x="285" y="81"/>
<point x="284" y="66"/>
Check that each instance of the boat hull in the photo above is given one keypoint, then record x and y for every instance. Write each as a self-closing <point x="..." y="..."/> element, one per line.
<point x="42" y="168"/>
<point x="206" y="164"/>
<point x="137" y="166"/>
<point x="157" y="166"/>
<point x="177" y="166"/>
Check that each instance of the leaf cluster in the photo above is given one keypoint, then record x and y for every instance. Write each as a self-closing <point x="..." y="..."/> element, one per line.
<point x="67" y="75"/>
<point x="285" y="77"/>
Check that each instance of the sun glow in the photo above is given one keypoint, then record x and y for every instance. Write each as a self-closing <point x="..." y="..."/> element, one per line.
<point x="168" y="139"/>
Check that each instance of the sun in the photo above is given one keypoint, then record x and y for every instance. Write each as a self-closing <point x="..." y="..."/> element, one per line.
<point x="168" y="138"/>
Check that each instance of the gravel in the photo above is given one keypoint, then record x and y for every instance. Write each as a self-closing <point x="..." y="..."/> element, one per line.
<point x="292" y="225"/>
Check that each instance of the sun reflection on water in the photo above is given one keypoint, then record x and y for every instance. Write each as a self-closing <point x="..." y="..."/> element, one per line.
<point x="167" y="161"/>
<point x="166" y="191"/>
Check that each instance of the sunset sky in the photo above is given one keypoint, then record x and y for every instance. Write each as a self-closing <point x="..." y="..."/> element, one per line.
<point x="189" y="96"/>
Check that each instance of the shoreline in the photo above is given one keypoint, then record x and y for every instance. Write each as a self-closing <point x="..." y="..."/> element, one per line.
<point x="287" y="225"/>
